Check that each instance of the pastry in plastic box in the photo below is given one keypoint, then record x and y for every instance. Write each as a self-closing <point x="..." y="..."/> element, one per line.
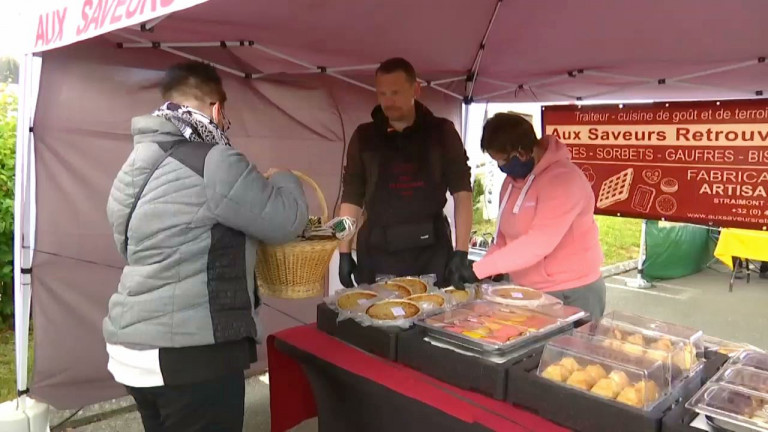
<point x="753" y="359"/>
<point x="597" y="372"/>
<point x="728" y="348"/>
<point x="677" y="346"/>
<point x="588" y="365"/>
<point x="731" y="407"/>
<point x="607" y="388"/>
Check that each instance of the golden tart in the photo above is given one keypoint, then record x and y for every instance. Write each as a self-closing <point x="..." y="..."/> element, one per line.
<point x="460" y="296"/>
<point x="416" y="285"/>
<point x="516" y="293"/>
<point x="353" y="299"/>
<point x="389" y="310"/>
<point x="401" y="290"/>
<point x="427" y="301"/>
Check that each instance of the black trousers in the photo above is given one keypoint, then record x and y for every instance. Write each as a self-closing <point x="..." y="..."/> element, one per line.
<point x="215" y="405"/>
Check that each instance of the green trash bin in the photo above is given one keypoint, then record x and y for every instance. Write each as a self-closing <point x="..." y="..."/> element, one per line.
<point x="675" y="250"/>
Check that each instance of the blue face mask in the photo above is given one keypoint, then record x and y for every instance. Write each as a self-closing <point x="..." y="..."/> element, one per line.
<point x="517" y="168"/>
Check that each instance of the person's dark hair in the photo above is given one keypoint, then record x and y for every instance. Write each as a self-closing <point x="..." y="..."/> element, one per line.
<point x="507" y="133"/>
<point x="397" y="64"/>
<point x="193" y="79"/>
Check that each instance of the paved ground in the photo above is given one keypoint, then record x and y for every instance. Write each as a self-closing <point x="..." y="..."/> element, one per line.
<point x="256" y="414"/>
<point x="700" y="301"/>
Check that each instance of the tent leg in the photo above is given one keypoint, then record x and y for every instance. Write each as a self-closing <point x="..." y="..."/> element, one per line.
<point x="23" y="414"/>
<point x="639" y="281"/>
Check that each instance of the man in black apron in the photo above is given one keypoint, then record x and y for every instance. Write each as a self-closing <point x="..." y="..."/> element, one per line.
<point x="399" y="169"/>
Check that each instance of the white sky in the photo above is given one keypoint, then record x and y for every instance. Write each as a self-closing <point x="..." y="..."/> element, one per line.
<point x="10" y="26"/>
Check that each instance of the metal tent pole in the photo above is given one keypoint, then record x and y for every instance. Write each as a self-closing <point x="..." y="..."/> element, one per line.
<point x="639" y="281"/>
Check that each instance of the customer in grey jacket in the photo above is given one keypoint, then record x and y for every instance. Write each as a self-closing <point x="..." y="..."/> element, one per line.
<point x="182" y="326"/>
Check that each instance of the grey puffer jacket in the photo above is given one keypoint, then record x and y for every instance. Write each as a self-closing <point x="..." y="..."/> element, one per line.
<point x="189" y="279"/>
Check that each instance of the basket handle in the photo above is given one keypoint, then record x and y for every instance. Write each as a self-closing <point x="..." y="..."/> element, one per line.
<point x="321" y="197"/>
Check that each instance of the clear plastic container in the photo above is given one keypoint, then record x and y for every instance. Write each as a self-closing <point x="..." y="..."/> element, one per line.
<point x="722" y="346"/>
<point x="587" y="364"/>
<point x="743" y="377"/>
<point x="683" y="345"/>
<point x="752" y="359"/>
<point x="489" y="327"/>
<point x="561" y="312"/>
<point x="666" y="354"/>
<point x="731" y="407"/>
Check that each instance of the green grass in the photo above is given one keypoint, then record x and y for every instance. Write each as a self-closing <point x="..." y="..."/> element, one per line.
<point x="620" y="237"/>
<point x="8" y="365"/>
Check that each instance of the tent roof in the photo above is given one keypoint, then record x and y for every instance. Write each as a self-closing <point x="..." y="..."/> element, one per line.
<point x="623" y="48"/>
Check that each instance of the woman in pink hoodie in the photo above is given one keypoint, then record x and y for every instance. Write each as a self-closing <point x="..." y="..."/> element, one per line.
<point x="547" y="238"/>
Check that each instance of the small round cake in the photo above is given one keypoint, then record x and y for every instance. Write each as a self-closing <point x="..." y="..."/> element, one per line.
<point x="427" y="301"/>
<point x="458" y="295"/>
<point x="416" y="285"/>
<point x="515" y="293"/>
<point x="389" y="310"/>
<point x="401" y="290"/>
<point x="352" y="299"/>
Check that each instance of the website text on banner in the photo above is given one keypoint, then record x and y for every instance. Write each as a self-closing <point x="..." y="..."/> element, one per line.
<point x="68" y="21"/>
<point x="699" y="162"/>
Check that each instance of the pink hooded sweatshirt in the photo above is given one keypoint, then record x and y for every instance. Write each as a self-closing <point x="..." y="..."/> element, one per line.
<point x="547" y="239"/>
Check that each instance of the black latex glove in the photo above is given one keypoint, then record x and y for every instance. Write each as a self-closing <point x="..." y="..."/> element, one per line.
<point x="459" y="271"/>
<point x="500" y="278"/>
<point x="347" y="266"/>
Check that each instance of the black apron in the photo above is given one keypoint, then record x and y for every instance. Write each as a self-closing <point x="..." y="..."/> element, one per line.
<point x="405" y="232"/>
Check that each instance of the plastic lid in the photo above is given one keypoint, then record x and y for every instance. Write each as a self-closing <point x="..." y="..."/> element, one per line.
<point x="491" y="323"/>
<point x="652" y="327"/>
<point x="744" y="377"/>
<point x="737" y="406"/>
<point x="590" y="366"/>
<point x="725" y="347"/>
<point x="560" y="311"/>
<point x="683" y="343"/>
<point x="753" y="359"/>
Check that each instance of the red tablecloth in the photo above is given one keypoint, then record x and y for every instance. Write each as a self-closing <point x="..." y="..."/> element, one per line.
<point x="292" y="400"/>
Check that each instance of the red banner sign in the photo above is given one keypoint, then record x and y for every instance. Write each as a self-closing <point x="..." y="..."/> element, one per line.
<point x="699" y="162"/>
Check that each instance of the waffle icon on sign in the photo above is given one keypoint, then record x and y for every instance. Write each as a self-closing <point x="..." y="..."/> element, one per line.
<point x="615" y="189"/>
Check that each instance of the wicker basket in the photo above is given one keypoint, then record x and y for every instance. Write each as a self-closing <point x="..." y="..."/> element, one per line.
<point x="296" y="270"/>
